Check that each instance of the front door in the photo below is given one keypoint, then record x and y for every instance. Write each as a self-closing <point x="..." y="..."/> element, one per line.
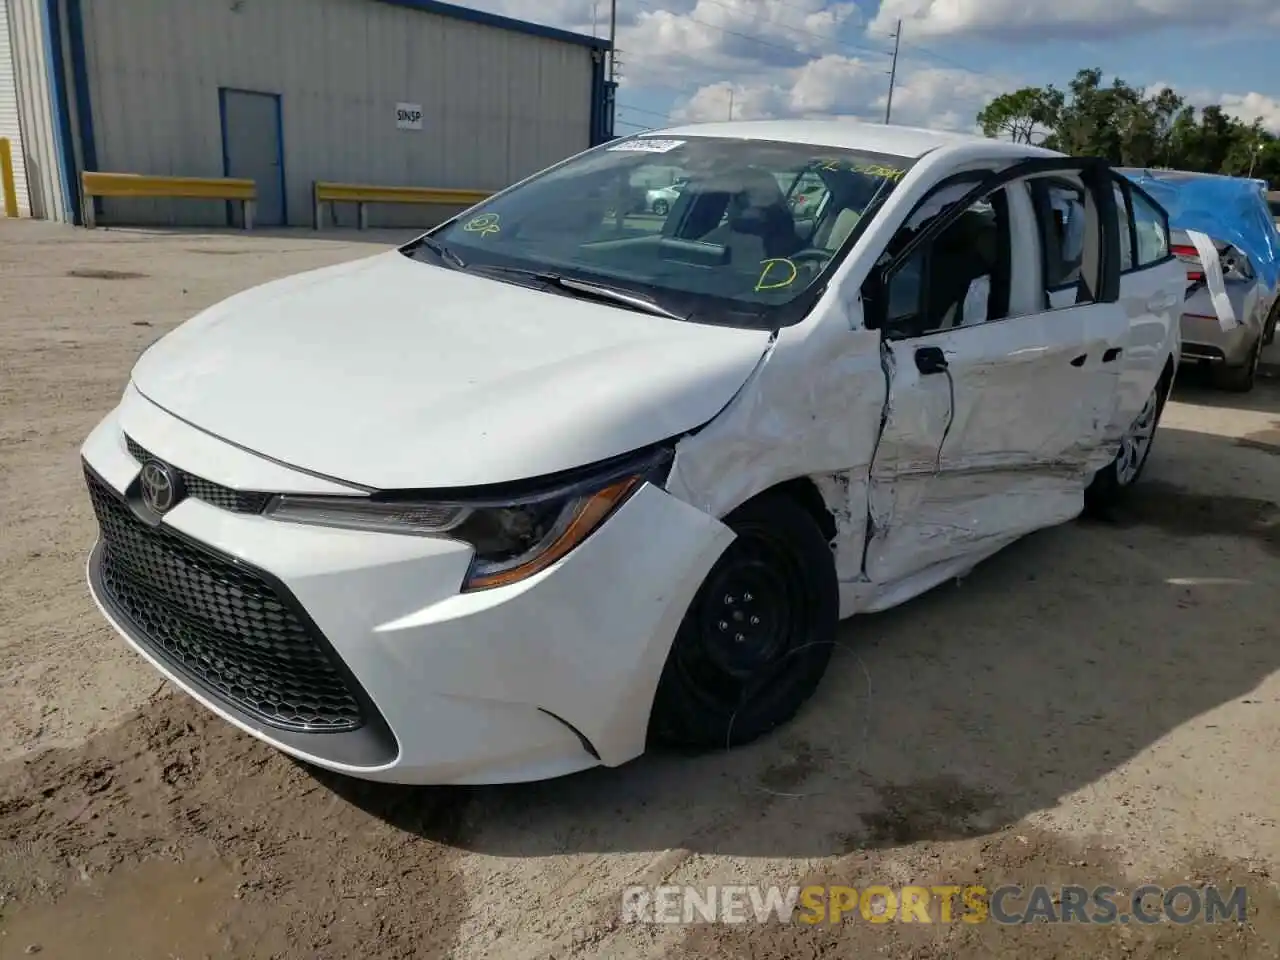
<point x="997" y="401"/>
<point x="252" y="148"/>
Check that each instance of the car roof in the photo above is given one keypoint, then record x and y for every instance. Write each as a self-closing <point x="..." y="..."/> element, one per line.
<point x="912" y="142"/>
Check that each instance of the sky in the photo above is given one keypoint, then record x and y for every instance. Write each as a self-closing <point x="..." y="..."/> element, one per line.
<point x="698" y="59"/>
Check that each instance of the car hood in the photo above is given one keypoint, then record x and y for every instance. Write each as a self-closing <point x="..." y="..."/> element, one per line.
<point x="396" y="374"/>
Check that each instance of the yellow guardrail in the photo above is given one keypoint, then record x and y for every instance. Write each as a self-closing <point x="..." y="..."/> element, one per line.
<point x="99" y="184"/>
<point x="363" y="194"/>
<point x="8" y="186"/>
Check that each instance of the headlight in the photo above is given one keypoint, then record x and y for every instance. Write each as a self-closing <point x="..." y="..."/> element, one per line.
<point x="514" y="537"/>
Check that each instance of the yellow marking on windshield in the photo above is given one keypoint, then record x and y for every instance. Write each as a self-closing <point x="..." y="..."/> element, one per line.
<point x="765" y="284"/>
<point x="869" y="169"/>
<point x="484" y="224"/>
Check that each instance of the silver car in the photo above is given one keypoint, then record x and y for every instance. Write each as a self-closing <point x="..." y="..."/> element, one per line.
<point x="1233" y="296"/>
<point x="1231" y="354"/>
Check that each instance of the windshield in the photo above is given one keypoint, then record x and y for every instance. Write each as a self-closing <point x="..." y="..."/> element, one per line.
<point x="714" y="230"/>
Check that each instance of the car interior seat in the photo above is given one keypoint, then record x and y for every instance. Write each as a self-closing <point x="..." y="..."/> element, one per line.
<point x="963" y="253"/>
<point x="758" y="224"/>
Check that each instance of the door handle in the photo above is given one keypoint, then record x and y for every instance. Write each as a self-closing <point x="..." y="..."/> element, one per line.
<point x="1079" y="361"/>
<point x="1112" y="354"/>
<point x="930" y="360"/>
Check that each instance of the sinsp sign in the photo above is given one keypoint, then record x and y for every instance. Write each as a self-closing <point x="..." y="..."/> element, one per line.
<point x="409" y="116"/>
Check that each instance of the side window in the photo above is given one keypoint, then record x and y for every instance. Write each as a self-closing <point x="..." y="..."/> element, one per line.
<point x="1060" y="209"/>
<point x="1127" y="232"/>
<point x="959" y="279"/>
<point x="1152" y="228"/>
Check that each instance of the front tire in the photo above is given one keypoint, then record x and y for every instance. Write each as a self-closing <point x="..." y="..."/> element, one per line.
<point x="1113" y="482"/>
<point x="757" y="638"/>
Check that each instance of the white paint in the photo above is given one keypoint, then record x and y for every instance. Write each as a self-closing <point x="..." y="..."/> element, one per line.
<point x="408" y="116"/>
<point x="396" y="374"/>
<point x="497" y="382"/>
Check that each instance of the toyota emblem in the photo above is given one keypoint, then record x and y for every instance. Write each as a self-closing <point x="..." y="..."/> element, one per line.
<point x="159" y="486"/>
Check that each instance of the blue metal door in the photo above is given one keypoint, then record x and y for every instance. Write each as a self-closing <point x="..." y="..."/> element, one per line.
<point x="252" y="147"/>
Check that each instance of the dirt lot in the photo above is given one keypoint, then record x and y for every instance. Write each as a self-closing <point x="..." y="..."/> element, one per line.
<point x="1100" y="704"/>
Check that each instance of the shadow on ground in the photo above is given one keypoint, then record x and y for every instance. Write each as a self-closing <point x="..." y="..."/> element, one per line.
<point x="962" y="711"/>
<point x="1193" y="385"/>
<point x="948" y="718"/>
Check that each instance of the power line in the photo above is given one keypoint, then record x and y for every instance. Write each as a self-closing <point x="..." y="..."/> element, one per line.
<point x="753" y="39"/>
<point x="842" y="44"/>
<point x="651" y="113"/>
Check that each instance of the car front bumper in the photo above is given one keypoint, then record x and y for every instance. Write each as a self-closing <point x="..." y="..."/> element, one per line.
<point x="379" y="666"/>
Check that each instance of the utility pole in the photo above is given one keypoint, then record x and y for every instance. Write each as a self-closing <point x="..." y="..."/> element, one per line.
<point x="731" y="103"/>
<point x="613" y="38"/>
<point x="613" y="67"/>
<point x="893" y="71"/>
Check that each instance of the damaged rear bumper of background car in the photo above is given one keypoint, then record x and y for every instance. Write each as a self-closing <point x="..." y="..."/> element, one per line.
<point x="403" y="678"/>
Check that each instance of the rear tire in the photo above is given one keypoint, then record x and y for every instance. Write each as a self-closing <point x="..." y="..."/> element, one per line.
<point x="757" y="638"/>
<point x="1113" y="482"/>
<point x="1269" y="333"/>
<point x="1239" y="379"/>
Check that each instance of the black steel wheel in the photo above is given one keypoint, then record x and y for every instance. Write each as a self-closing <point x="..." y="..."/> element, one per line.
<point x="757" y="637"/>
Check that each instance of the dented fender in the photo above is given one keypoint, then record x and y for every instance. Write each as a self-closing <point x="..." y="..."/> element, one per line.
<point x="812" y="409"/>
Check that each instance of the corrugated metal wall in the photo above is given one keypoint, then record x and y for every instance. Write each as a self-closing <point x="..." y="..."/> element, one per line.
<point x="9" y="125"/>
<point x="30" y="33"/>
<point x="498" y="105"/>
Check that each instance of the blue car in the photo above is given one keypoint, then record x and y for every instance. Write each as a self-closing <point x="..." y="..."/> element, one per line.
<point x="1223" y="230"/>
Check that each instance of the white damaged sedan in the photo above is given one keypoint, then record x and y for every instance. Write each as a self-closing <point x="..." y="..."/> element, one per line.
<point x="553" y="482"/>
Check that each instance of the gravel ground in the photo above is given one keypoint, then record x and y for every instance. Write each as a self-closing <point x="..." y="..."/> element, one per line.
<point x="1099" y="704"/>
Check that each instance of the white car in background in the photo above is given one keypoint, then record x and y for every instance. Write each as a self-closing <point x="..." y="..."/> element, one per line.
<point x="540" y="488"/>
<point x="660" y="200"/>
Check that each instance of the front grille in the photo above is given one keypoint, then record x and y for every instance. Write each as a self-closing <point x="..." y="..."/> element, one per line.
<point x="237" y="501"/>
<point x="219" y="623"/>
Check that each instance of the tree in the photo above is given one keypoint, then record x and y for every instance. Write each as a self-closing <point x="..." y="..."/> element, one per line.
<point x="1126" y="126"/>
<point x="1022" y="115"/>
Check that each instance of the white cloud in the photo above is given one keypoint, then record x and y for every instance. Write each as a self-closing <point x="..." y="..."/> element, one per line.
<point x="1049" y="18"/>
<point x="795" y="57"/>
<point x="850" y="87"/>
<point x="1250" y="106"/>
<point x="1245" y="107"/>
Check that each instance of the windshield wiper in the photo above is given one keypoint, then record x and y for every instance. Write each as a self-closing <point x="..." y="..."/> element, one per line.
<point x="439" y="249"/>
<point x="594" y="291"/>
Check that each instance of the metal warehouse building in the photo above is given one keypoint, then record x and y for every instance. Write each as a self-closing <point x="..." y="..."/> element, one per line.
<point x="286" y="92"/>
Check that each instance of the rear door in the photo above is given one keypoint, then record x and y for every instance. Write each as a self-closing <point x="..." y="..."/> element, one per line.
<point x="997" y="398"/>
<point x="1153" y="284"/>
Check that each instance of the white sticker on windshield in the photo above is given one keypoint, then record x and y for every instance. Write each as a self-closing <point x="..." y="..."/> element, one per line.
<point x="647" y="146"/>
